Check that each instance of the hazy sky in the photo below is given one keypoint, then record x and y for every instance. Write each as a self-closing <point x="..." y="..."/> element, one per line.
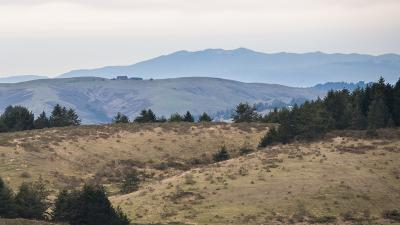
<point x="50" y="37"/>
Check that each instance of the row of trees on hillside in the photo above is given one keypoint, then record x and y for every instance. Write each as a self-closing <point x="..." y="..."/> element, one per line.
<point x="373" y="107"/>
<point x="18" y="118"/>
<point x="148" y="116"/>
<point x="88" y="206"/>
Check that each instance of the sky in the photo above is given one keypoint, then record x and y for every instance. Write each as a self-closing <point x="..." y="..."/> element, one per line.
<point x="50" y="37"/>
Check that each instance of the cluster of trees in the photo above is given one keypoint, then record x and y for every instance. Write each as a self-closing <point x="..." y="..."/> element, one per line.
<point x="148" y="116"/>
<point x="18" y="118"/>
<point x="373" y="107"/>
<point x="88" y="206"/>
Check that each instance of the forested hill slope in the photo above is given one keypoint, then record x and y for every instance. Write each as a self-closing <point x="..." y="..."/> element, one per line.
<point x="97" y="100"/>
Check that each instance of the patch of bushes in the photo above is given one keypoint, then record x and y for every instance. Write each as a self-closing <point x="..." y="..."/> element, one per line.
<point x="392" y="215"/>
<point x="221" y="155"/>
<point x="89" y="206"/>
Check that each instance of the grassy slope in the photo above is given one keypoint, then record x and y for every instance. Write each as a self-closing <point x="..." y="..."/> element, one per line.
<point x="335" y="176"/>
<point x="70" y="156"/>
<point x="285" y="183"/>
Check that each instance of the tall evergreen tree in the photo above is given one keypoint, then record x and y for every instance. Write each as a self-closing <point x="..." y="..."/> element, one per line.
<point x="63" y="206"/>
<point x="72" y="118"/>
<point x="188" y="117"/>
<point x="17" y="118"/>
<point x="7" y="202"/>
<point x="58" y="116"/>
<point x="377" y="114"/>
<point x="338" y="106"/>
<point x="396" y="104"/>
<point x="146" y="116"/>
<point x="245" y="113"/>
<point x="205" y="118"/>
<point x="42" y="121"/>
<point x="31" y="201"/>
<point x="120" y="118"/>
<point x="90" y="207"/>
<point x="175" y="118"/>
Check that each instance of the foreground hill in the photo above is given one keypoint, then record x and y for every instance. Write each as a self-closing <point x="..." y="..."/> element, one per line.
<point x="97" y="100"/>
<point x="249" y="66"/>
<point x="68" y="157"/>
<point x="343" y="179"/>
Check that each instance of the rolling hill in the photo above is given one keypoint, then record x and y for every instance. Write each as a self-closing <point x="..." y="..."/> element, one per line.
<point x="344" y="178"/>
<point x="300" y="70"/>
<point x="97" y="100"/>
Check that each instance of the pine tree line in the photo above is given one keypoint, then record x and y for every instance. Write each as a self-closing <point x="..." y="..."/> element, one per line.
<point x="18" y="118"/>
<point x="373" y="107"/>
<point x="148" y="116"/>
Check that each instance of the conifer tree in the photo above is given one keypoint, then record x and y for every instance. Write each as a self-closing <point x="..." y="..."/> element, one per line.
<point x="396" y="104"/>
<point x="120" y="118"/>
<point x="205" y="118"/>
<point x="58" y="116"/>
<point x="188" y="117"/>
<point x="42" y="121"/>
<point x="92" y="207"/>
<point x="377" y="114"/>
<point x="31" y="201"/>
<point x="175" y="118"/>
<point x="245" y="113"/>
<point x="72" y="118"/>
<point x="7" y="202"/>
<point x="17" y="118"/>
<point x="146" y="116"/>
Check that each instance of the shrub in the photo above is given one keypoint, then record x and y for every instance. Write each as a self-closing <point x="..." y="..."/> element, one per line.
<point x="189" y="179"/>
<point x="245" y="151"/>
<point x="131" y="182"/>
<point x="221" y="155"/>
<point x="392" y="215"/>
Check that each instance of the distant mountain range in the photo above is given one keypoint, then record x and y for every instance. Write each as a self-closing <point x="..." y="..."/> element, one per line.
<point x="298" y="70"/>
<point x="97" y="100"/>
<point x="21" y="78"/>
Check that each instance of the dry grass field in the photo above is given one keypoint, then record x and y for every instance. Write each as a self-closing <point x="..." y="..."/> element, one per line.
<point x="341" y="180"/>
<point x="346" y="178"/>
<point x="68" y="157"/>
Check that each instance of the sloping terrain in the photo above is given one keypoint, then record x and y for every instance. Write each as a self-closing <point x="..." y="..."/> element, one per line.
<point x="245" y="65"/>
<point x="97" y="100"/>
<point x="68" y="157"/>
<point x="343" y="179"/>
